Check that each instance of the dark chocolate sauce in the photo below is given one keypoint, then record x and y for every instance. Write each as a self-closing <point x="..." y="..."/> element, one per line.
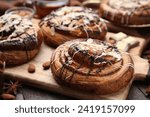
<point x="16" y="42"/>
<point x="80" y="56"/>
<point x="60" y="27"/>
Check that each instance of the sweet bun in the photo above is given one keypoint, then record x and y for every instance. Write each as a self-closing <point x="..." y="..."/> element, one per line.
<point x="126" y="12"/>
<point x="91" y="65"/>
<point x="19" y="40"/>
<point x="69" y="23"/>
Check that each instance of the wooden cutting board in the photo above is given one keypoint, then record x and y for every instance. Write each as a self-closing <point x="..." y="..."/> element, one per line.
<point x="44" y="80"/>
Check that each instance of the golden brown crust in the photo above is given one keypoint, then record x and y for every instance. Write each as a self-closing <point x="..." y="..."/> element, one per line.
<point x="85" y="67"/>
<point x="70" y="23"/>
<point x="17" y="57"/>
<point x="20" y="40"/>
<point x="126" y="12"/>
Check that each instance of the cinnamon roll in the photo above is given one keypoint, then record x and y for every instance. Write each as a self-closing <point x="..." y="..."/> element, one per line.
<point x="126" y="12"/>
<point x="91" y="65"/>
<point x="19" y="40"/>
<point x="69" y="23"/>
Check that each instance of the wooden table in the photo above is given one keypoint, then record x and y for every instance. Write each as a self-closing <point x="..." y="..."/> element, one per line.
<point x="30" y="93"/>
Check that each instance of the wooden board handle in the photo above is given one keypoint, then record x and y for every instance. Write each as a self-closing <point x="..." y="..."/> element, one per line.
<point x="142" y="68"/>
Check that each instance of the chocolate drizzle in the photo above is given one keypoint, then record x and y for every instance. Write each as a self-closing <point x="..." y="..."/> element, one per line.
<point x="86" y="57"/>
<point x="129" y="8"/>
<point x="69" y="19"/>
<point x="128" y="4"/>
<point x="17" y="33"/>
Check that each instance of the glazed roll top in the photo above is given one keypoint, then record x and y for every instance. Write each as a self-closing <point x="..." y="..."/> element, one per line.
<point x="17" y="33"/>
<point x="91" y="65"/>
<point x="127" y="12"/>
<point x="74" y="22"/>
<point x="129" y="5"/>
<point x="91" y="55"/>
<point x="20" y="40"/>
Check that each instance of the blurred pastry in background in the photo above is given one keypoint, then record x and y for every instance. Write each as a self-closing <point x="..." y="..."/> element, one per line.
<point x="44" y="7"/>
<point x="126" y="12"/>
<point x="76" y="2"/>
<point x="69" y="23"/>
<point x="94" y="4"/>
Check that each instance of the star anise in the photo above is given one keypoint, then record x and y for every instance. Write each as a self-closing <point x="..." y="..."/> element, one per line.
<point x="11" y="87"/>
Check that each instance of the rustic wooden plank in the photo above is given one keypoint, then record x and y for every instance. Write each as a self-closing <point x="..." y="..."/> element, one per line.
<point x="44" y="79"/>
<point x="135" y="93"/>
<point x="31" y="93"/>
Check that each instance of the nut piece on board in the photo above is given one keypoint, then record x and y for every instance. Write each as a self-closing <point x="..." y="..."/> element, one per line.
<point x="123" y="41"/>
<point x="31" y="68"/>
<point x="131" y="41"/>
<point x="7" y="96"/>
<point x="111" y="41"/>
<point x="123" y="46"/>
<point x="46" y="65"/>
<point x="119" y="36"/>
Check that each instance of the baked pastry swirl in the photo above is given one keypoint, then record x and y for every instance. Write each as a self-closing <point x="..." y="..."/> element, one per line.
<point x="91" y="65"/>
<point x="69" y="23"/>
<point x="19" y="40"/>
<point x="126" y="12"/>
